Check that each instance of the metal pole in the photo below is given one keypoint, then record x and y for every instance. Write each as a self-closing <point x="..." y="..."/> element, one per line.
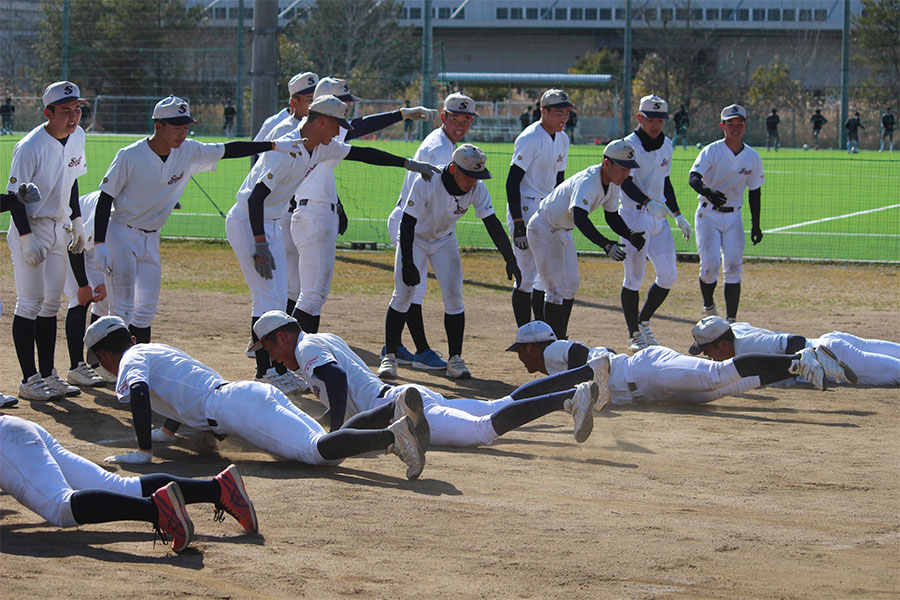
<point x="845" y="78"/>
<point x="427" y="68"/>
<point x="264" y="97"/>
<point x="65" y="41"/>
<point x="239" y="83"/>
<point x="626" y="84"/>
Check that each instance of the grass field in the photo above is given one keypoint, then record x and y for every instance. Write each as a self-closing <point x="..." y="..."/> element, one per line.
<point x="825" y="204"/>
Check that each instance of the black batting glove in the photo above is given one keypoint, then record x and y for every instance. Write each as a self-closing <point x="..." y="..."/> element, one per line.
<point x="520" y="239"/>
<point x="717" y="198"/>
<point x="637" y="240"/>
<point x="756" y="235"/>
<point x="512" y="271"/>
<point x="410" y="274"/>
<point x="342" y="219"/>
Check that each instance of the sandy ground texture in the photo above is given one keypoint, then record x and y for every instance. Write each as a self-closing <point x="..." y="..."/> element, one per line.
<point x="781" y="493"/>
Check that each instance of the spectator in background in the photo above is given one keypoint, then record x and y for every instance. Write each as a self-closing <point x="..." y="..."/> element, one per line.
<point x="409" y="127"/>
<point x="85" y="116"/>
<point x="228" y="125"/>
<point x="772" y="122"/>
<point x="7" y="109"/>
<point x="888" y="122"/>
<point x="853" y="125"/>
<point x="536" y="112"/>
<point x="817" y="121"/>
<point x="682" y="121"/>
<point x="571" y="123"/>
<point x="525" y="118"/>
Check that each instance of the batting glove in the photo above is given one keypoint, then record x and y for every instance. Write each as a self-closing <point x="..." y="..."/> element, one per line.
<point x="658" y="209"/>
<point x="138" y="457"/>
<point x="79" y="238"/>
<point x="29" y="193"/>
<point x="684" y="226"/>
<point x="102" y="257"/>
<point x="512" y="271"/>
<point x="637" y="240"/>
<point x="288" y="146"/>
<point x="263" y="261"/>
<point x="426" y="170"/>
<point x="418" y="113"/>
<point x="756" y="235"/>
<point x="159" y="436"/>
<point x="410" y="274"/>
<point x="717" y="198"/>
<point x="520" y="239"/>
<point x="342" y="218"/>
<point x="34" y="251"/>
<point x="615" y="250"/>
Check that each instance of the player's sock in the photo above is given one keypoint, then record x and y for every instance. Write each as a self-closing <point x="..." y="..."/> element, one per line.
<point x="45" y="341"/>
<point x="537" y="304"/>
<point x="393" y="329"/>
<point x="308" y="323"/>
<point x="655" y="297"/>
<point x="518" y="413"/>
<point x="263" y="360"/>
<point x="630" y="300"/>
<point x="344" y="443"/>
<point x="376" y="418"/>
<point x="23" y="339"/>
<point x="732" y="299"/>
<point x="768" y="367"/>
<point x="567" y="305"/>
<point x="193" y="490"/>
<point x="707" y="290"/>
<point x="554" y="315"/>
<point x="75" y="327"/>
<point x="521" y="303"/>
<point x="99" y="506"/>
<point x="141" y="334"/>
<point x="455" y="326"/>
<point x="416" y="326"/>
<point x="290" y="306"/>
<point x="552" y="383"/>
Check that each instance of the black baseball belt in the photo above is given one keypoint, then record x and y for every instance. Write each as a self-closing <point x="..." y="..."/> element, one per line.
<point x="142" y="230"/>
<point x="306" y="201"/>
<point x="721" y="209"/>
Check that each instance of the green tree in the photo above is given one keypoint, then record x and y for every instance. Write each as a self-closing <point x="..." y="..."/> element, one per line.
<point x="773" y="85"/>
<point x="876" y="36"/>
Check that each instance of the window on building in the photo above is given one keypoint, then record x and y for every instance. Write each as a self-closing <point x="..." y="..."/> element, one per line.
<point x="696" y="14"/>
<point x="821" y="14"/>
<point x="728" y="14"/>
<point x="650" y="14"/>
<point x="805" y="14"/>
<point x="415" y="12"/>
<point x="515" y="13"/>
<point x="774" y="14"/>
<point x="788" y="14"/>
<point x="620" y="14"/>
<point x="461" y="14"/>
<point x="502" y="13"/>
<point x="681" y="14"/>
<point x="605" y="14"/>
<point x="531" y="13"/>
<point x="590" y="14"/>
<point x="221" y="13"/>
<point x="743" y="14"/>
<point x="560" y="14"/>
<point x="444" y="12"/>
<point x="667" y="14"/>
<point x="712" y="14"/>
<point x="759" y="14"/>
<point x="576" y="14"/>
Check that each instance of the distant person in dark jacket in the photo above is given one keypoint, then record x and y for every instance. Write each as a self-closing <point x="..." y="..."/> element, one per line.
<point x="772" y="122"/>
<point x="853" y="126"/>
<point x="817" y="121"/>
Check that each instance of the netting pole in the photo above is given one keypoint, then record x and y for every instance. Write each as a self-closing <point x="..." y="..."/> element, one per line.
<point x="265" y="43"/>
<point x="626" y="83"/>
<point x="65" y="41"/>
<point x="845" y="78"/>
<point x="239" y="82"/>
<point x="427" y="74"/>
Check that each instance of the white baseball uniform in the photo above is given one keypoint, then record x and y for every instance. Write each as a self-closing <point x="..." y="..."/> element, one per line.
<point x="659" y="375"/>
<point x="875" y="362"/>
<point x="541" y="157"/>
<point x="188" y="391"/>
<point x="95" y="277"/>
<point x="655" y="166"/>
<point x="720" y="232"/>
<point x="269" y="124"/>
<point x="437" y="211"/>
<point x="550" y="230"/>
<point x="145" y="190"/>
<point x="42" y="475"/>
<point x="41" y="159"/>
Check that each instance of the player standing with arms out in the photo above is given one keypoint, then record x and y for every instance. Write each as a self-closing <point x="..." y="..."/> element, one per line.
<point x="772" y="122"/>
<point x="719" y="175"/>
<point x="642" y="209"/>
<point x="436" y="149"/>
<point x="52" y="157"/>
<point x="888" y="123"/>
<point x="540" y="155"/>
<point x="428" y="235"/>
<point x="682" y="121"/>
<point x="853" y="126"/>
<point x="818" y="121"/>
<point x="567" y="207"/>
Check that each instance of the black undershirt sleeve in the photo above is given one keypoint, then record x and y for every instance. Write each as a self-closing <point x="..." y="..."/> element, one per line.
<point x="6" y="201"/>
<point x="617" y="223"/>
<point x="498" y="236"/>
<point x="795" y="344"/>
<point x="335" y="380"/>
<point x="407" y="236"/>
<point x="256" y="207"/>
<point x="669" y="193"/>
<point x="514" y="191"/>
<point x="77" y="262"/>
<point x="634" y="192"/>
<point x="586" y="227"/>
<point x="560" y="177"/>
<point x="696" y="182"/>
<point x="73" y="202"/>
<point x="140" y="413"/>
<point x="372" y="123"/>
<point x="372" y="156"/>
<point x="577" y="356"/>
<point x="754" y="198"/>
<point x="20" y="217"/>
<point x="101" y="217"/>
<point x="242" y="149"/>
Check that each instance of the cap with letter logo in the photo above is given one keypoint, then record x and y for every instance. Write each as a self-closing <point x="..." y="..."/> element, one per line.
<point x="334" y="87"/>
<point x="707" y="330"/>
<point x="654" y="107"/>
<point x="471" y="161"/>
<point x="733" y="111"/>
<point x="533" y="332"/>
<point x="333" y="107"/>
<point x="621" y="153"/>
<point x="556" y="98"/>
<point x="459" y="103"/>
<point x="61" y="92"/>
<point x="267" y="323"/>
<point x="303" y="84"/>
<point x="173" y="110"/>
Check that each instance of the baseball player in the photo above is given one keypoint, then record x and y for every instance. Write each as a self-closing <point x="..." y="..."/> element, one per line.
<point x="52" y="157"/>
<point x="144" y="182"/>
<point x="7" y="110"/>
<point x="719" y="175"/>
<point x="428" y="235"/>
<point x="349" y="389"/>
<point x="888" y="123"/>
<point x="228" y="124"/>
<point x="538" y="165"/>
<point x="682" y="121"/>
<point x="772" y="122"/>
<point x="567" y="207"/>
<point x="181" y="388"/>
<point x="863" y="361"/>
<point x="853" y="125"/>
<point x="658" y="374"/>
<point x="818" y="120"/>
<point x="437" y="149"/>
<point x="68" y="490"/>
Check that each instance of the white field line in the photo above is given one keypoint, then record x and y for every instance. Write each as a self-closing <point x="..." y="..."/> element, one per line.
<point x="841" y="175"/>
<point x="823" y="220"/>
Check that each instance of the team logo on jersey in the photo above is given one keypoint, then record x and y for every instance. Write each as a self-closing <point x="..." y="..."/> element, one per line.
<point x="410" y="203"/>
<point x="12" y="179"/>
<point x="310" y="363"/>
<point x="176" y="178"/>
<point x="268" y="176"/>
<point x="584" y="201"/>
<point x="106" y="180"/>
<point x="524" y="209"/>
<point x="744" y="171"/>
<point x="664" y="162"/>
<point x="122" y="388"/>
<point x="75" y="162"/>
<point x="460" y="210"/>
<point x="559" y="158"/>
<point x="520" y="157"/>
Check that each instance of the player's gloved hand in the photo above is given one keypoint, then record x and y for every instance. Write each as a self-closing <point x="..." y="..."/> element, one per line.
<point x="756" y="235"/>
<point x="520" y="239"/>
<point x="79" y="237"/>
<point x="161" y="436"/>
<point x="410" y="274"/>
<point x="418" y="113"/>
<point x="658" y="209"/>
<point x="717" y="198"/>
<point x="138" y="457"/>
<point x="637" y="239"/>
<point x="426" y="170"/>
<point x="615" y="250"/>
<point x="263" y="261"/>
<point x="512" y="271"/>
<point x="342" y="218"/>
<point x="28" y="193"/>
<point x="102" y="257"/>
<point x="288" y="146"/>
<point x="684" y="226"/>
<point x="34" y="251"/>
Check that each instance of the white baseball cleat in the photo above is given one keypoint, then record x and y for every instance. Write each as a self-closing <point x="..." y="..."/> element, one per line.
<point x="54" y="381"/>
<point x="406" y="446"/>
<point x="835" y="369"/>
<point x="409" y="404"/>
<point x="637" y="342"/>
<point x="285" y="382"/>
<point x="648" y="336"/>
<point x="809" y="368"/>
<point x="105" y="375"/>
<point x="710" y="311"/>
<point x="600" y="366"/>
<point x="388" y="367"/>
<point x="158" y="436"/>
<point x="8" y="401"/>
<point x="457" y="369"/>
<point x="84" y="376"/>
<point x="35" y="388"/>
<point x="581" y="405"/>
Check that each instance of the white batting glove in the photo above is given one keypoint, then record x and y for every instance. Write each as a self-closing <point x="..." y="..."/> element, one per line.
<point x="29" y="193"/>
<point x="102" y="257"/>
<point x="34" y="251"/>
<point x="79" y="237"/>
<point x="684" y="226"/>
<point x="418" y="113"/>
<point x="424" y="169"/>
<point x="138" y="457"/>
<point x="288" y="146"/>
<point x="658" y="209"/>
<point x="159" y="436"/>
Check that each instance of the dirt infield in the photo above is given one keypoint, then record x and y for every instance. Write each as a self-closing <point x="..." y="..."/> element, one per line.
<point x="781" y="493"/>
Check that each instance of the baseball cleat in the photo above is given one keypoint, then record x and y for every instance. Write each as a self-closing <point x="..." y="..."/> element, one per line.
<point x="54" y="382"/>
<point x="286" y="382"/>
<point x="710" y="311"/>
<point x="581" y="405"/>
<point x="8" y="401"/>
<point x="835" y="369"/>
<point x="649" y="338"/>
<point x="409" y="404"/>
<point x="388" y="367"/>
<point x="807" y="366"/>
<point x="158" y="436"/>
<point x="428" y="360"/>
<point x="457" y="369"/>
<point x="406" y="446"/>
<point x="173" y="520"/>
<point x="235" y="501"/>
<point x="35" y="388"/>
<point x="600" y="367"/>
<point x="105" y="375"/>
<point x="84" y="376"/>
<point x="404" y="356"/>
<point x="637" y="342"/>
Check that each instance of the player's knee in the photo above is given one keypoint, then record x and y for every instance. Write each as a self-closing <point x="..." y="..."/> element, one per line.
<point x="454" y="306"/>
<point x="311" y="303"/>
<point x="666" y="280"/>
<point x="708" y="273"/>
<point x="631" y="281"/>
<point x="27" y="308"/>
<point x="732" y="272"/>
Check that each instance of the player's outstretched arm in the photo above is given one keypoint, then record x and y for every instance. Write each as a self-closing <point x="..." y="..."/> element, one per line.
<point x="372" y="156"/>
<point x="242" y="149"/>
<point x="335" y="380"/>
<point x="372" y="123"/>
<point x="754" y="200"/>
<point x="139" y="394"/>
<point x="498" y="236"/>
<point x="587" y="229"/>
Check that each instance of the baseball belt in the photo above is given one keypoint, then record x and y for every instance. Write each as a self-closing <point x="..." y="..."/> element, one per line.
<point x="143" y="230"/>
<point x="306" y="201"/>
<point x="721" y="209"/>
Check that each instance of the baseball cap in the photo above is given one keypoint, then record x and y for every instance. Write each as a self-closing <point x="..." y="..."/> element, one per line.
<point x="334" y="87"/>
<point x="654" y="107"/>
<point x="61" y="92"/>
<point x="732" y="111"/>
<point x="303" y="84"/>
<point x="707" y="329"/>
<point x="267" y="323"/>
<point x="459" y="103"/>
<point x="333" y="107"/>
<point x="173" y="110"/>
<point x="98" y="330"/>
<point x="471" y="161"/>
<point x="621" y="153"/>
<point x="555" y="98"/>
<point x="533" y="332"/>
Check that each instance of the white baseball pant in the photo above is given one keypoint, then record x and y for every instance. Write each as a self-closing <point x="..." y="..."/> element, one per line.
<point x="875" y="362"/>
<point x="443" y="255"/>
<point x="394" y="232"/>
<point x="95" y="277"/>
<point x="268" y="294"/>
<point x="39" y="288"/>
<point x="38" y="472"/>
<point x="290" y="254"/>
<point x="314" y="228"/>
<point x="659" y="248"/>
<point x="531" y="278"/>
<point x="133" y="288"/>
<point x="720" y="243"/>
<point x="555" y="258"/>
